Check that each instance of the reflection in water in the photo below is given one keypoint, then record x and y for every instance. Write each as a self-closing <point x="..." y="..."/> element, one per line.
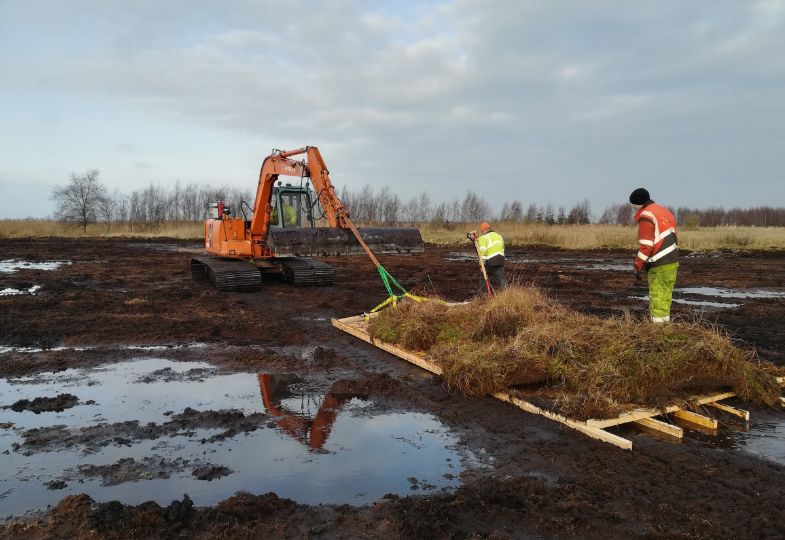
<point x="314" y="447"/>
<point x="731" y="293"/>
<point x="9" y="266"/>
<point x="311" y="432"/>
<point x="613" y="267"/>
<point x="764" y="436"/>
<point x="718" y="293"/>
<point x="582" y="263"/>
<point x="692" y="302"/>
<point x="13" y="292"/>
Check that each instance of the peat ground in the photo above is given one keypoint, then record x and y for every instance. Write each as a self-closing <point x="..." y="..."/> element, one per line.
<point x="543" y="480"/>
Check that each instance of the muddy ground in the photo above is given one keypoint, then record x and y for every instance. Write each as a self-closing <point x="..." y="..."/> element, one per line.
<point x="545" y="481"/>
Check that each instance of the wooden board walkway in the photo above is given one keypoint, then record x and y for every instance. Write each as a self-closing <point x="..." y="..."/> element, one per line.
<point x="594" y="428"/>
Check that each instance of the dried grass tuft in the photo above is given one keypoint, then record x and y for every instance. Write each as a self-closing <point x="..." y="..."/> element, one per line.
<point x="592" y="366"/>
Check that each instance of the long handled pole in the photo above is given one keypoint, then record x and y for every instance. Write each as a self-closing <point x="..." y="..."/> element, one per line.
<point x="482" y="267"/>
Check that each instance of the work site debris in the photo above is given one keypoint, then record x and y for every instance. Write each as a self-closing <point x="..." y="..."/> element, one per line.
<point x="586" y="366"/>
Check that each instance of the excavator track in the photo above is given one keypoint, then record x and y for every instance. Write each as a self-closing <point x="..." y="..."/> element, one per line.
<point x="305" y="271"/>
<point x="226" y="274"/>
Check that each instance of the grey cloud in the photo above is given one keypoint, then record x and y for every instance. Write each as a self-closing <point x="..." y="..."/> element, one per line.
<point x="551" y="101"/>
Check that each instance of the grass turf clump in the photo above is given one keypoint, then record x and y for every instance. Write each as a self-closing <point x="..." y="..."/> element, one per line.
<point x="478" y="368"/>
<point x="417" y="326"/>
<point x="591" y="366"/>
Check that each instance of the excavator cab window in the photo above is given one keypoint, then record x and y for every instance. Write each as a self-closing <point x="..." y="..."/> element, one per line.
<point x="291" y="208"/>
<point x="274" y="221"/>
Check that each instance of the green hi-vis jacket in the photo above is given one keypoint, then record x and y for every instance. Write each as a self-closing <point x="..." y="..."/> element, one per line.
<point x="289" y="215"/>
<point x="491" y="244"/>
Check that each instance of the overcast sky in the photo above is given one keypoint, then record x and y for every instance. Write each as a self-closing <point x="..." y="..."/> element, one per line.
<point x="543" y="101"/>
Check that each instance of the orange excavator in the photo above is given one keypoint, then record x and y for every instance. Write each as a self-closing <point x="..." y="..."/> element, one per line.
<point x="278" y="234"/>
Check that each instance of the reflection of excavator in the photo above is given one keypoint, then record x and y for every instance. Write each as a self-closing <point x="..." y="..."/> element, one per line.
<point x="314" y="432"/>
<point x="279" y="233"/>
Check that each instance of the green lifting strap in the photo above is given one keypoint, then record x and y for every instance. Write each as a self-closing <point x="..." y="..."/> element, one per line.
<point x="387" y="279"/>
<point x="392" y="298"/>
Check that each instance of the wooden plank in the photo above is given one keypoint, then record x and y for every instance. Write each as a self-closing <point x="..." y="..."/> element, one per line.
<point x="639" y="414"/>
<point x="353" y="329"/>
<point x="662" y="427"/>
<point x="781" y="380"/>
<point x="594" y="433"/>
<point x="697" y="419"/>
<point x="741" y="413"/>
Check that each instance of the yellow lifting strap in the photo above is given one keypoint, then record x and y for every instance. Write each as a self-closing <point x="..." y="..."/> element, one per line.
<point x="394" y="299"/>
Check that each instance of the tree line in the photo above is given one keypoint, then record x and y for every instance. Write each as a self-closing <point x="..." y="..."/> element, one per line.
<point x="84" y="200"/>
<point x="759" y="216"/>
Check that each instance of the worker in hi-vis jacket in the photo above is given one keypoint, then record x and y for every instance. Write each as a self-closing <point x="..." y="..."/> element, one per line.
<point x="658" y="253"/>
<point x="490" y="244"/>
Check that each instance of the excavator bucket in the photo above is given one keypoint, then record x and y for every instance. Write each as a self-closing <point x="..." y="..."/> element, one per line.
<point x="327" y="241"/>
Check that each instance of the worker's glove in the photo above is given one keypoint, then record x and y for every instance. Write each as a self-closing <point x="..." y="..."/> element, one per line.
<point x="471" y="236"/>
<point x="639" y="275"/>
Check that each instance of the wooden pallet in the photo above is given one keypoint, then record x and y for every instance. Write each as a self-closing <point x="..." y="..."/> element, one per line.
<point x="594" y="428"/>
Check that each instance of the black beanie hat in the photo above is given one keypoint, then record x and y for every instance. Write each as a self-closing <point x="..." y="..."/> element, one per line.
<point x="639" y="196"/>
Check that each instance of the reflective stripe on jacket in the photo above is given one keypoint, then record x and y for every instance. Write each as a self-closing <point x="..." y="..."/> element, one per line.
<point x="656" y="237"/>
<point x="490" y="244"/>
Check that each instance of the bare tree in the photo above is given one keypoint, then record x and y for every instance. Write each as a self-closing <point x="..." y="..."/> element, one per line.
<point x="516" y="210"/>
<point x="78" y="200"/>
<point x="532" y="213"/>
<point x="122" y="206"/>
<point x="105" y="208"/>
<point x="439" y="215"/>
<point x="418" y="209"/>
<point x="389" y="206"/>
<point x="550" y="215"/>
<point x="111" y="208"/>
<point x="423" y="206"/>
<point x="580" y="213"/>
<point x="365" y="209"/>
<point x="504" y="214"/>
<point x="474" y="208"/>
<point x="617" y="214"/>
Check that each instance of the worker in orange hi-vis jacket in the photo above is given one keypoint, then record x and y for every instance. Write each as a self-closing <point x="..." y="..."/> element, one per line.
<point x="658" y="254"/>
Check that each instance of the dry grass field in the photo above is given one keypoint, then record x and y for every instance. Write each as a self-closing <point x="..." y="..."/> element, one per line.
<point x="613" y="236"/>
<point x="515" y="234"/>
<point x="37" y="228"/>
